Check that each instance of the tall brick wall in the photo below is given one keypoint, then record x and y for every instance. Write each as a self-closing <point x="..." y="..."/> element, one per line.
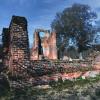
<point x="47" y="44"/>
<point x="19" y="45"/>
<point x="53" y="47"/>
<point x="34" y="51"/>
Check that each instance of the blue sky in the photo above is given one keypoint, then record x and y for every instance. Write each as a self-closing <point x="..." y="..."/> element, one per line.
<point x="39" y="13"/>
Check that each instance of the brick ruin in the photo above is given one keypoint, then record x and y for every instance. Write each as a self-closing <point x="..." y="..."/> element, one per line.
<point x="18" y="58"/>
<point x="44" y="47"/>
<point x="16" y="52"/>
<point x="16" y="45"/>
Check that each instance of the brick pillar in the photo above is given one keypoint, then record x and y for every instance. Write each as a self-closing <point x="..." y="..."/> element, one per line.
<point x="53" y="47"/>
<point x="19" y="45"/>
<point x="35" y="50"/>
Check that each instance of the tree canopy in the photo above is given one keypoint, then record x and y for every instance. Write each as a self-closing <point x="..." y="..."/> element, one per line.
<point x="74" y="22"/>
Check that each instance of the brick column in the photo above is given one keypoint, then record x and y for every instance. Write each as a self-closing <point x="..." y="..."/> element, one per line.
<point x="19" y="45"/>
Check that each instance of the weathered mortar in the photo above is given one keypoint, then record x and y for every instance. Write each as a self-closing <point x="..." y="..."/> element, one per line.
<point x="18" y="45"/>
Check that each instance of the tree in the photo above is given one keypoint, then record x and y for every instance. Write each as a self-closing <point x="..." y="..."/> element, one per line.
<point x="74" y="22"/>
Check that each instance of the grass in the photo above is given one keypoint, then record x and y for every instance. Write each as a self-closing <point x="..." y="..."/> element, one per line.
<point x="31" y="93"/>
<point x="61" y="85"/>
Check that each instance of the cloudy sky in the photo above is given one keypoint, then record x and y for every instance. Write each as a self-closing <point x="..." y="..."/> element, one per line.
<point x="39" y="13"/>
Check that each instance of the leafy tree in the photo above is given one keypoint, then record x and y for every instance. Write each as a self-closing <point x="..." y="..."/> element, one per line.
<point x="76" y="23"/>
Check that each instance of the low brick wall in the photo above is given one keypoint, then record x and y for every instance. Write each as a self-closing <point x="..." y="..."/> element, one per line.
<point x="42" y="72"/>
<point x="46" y="71"/>
<point x="52" y="67"/>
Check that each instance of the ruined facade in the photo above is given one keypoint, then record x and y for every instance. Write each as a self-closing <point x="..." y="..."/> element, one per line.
<point x="19" y="60"/>
<point x="18" y="45"/>
<point x="44" y="47"/>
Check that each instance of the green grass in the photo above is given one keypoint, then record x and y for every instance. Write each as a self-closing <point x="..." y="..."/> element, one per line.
<point x="60" y="85"/>
<point x="29" y="93"/>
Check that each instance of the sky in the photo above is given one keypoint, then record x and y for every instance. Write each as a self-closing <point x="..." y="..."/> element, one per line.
<point x="39" y="13"/>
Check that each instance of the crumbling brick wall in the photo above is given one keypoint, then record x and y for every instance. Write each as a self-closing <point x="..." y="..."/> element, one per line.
<point x="53" y="48"/>
<point x="18" y="44"/>
<point x="48" y="43"/>
<point x="37" y="49"/>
